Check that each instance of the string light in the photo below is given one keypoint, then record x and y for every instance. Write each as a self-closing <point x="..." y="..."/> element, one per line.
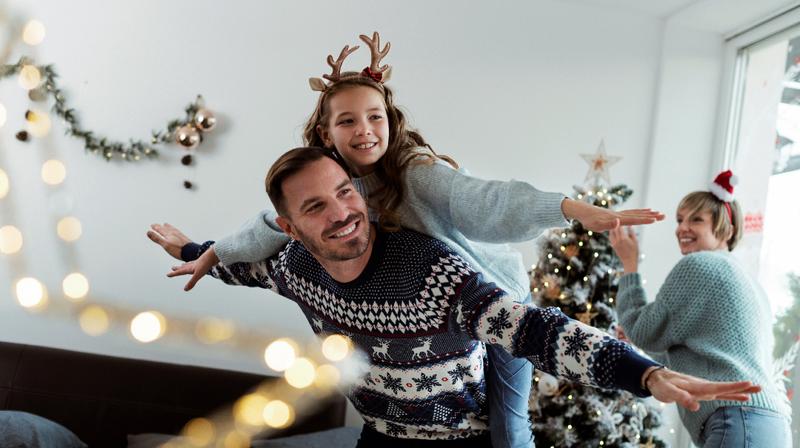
<point x="563" y="248"/>
<point x="280" y="355"/>
<point x="69" y="228"/>
<point x="75" y="286"/>
<point x="277" y="414"/>
<point x="250" y="409"/>
<point x="580" y="243"/>
<point x="30" y="292"/>
<point x="29" y="77"/>
<point x="336" y="347"/>
<point x="590" y="233"/>
<point x="10" y="240"/>
<point x="569" y="268"/>
<point x="596" y="255"/>
<point x="94" y="320"/>
<point x="563" y="235"/>
<point x="586" y="278"/>
<point x="555" y="270"/>
<point x="53" y="172"/>
<point x="4" y="184"/>
<point x="549" y="256"/>
<point x="604" y="202"/>
<point x="301" y="374"/>
<point x="148" y="326"/>
<point x="33" y="33"/>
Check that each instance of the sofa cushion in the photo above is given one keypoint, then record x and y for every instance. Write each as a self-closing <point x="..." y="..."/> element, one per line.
<point x="21" y="429"/>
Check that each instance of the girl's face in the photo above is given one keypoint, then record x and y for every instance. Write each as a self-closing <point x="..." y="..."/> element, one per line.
<point x="695" y="233"/>
<point x="358" y="127"/>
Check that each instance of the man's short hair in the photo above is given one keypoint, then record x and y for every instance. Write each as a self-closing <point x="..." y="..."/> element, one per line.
<point x="289" y="164"/>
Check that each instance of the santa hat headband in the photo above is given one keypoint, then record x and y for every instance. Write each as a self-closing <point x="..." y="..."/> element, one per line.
<point x="722" y="188"/>
<point x="375" y="71"/>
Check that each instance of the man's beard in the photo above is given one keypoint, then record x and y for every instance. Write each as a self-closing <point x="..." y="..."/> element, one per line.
<point x="343" y="252"/>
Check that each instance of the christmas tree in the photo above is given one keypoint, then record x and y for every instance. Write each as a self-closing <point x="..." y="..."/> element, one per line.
<point x="787" y="327"/>
<point x="578" y="272"/>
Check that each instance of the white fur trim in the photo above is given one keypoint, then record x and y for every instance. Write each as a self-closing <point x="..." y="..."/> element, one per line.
<point x="734" y="180"/>
<point x="721" y="193"/>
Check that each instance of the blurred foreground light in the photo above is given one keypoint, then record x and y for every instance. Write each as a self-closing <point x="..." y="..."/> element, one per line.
<point x="336" y="347"/>
<point x="33" y="33"/>
<point x="10" y="240"/>
<point x="53" y="172"/>
<point x="235" y="439"/>
<point x="75" y="286"/>
<point x="4" y="184"/>
<point x="30" y="292"/>
<point x="212" y="330"/>
<point x="301" y="374"/>
<point x="69" y="228"/>
<point x="29" y="77"/>
<point x="94" y="320"/>
<point x="280" y="354"/>
<point x="199" y="431"/>
<point x="278" y="414"/>
<point x="148" y="326"/>
<point x="39" y="123"/>
<point x="327" y="376"/>
<point x="3" y="115"/>
<point x="250" y="409"/>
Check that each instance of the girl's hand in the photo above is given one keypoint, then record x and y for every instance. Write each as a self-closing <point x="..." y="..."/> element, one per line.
<point x="623" y="241"/>
<point x="668" y="386"/>
<point x="598" y="219"/>
<point x="168" y="237"/>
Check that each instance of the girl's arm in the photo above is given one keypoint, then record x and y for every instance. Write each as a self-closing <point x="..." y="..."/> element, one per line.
<point x="257" y="239"/>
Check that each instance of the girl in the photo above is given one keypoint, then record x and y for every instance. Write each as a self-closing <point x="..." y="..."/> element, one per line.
<point x="709" y="319"/>
<point x="407" y="183"/>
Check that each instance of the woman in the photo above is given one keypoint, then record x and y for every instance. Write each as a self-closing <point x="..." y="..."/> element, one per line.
<point x="709" y="319"/>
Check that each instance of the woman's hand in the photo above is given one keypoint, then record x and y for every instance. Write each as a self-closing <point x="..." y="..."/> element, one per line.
<point x="623" y="241"/>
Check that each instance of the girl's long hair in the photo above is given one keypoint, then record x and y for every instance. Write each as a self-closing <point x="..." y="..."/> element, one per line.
<point x="406" y="146"/>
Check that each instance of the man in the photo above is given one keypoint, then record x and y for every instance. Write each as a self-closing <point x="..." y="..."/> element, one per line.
<point x="422" y="315"/>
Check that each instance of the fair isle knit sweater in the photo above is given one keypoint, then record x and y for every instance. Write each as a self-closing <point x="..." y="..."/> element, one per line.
<point x="472" y="216"/>
<point x="710" y="320"/>
<point x="422" y="316"/>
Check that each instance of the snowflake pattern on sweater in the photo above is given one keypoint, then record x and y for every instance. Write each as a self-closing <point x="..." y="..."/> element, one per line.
<point x="423" y="321"/>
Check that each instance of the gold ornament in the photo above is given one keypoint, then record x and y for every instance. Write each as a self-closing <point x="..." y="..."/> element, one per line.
<point x="187" y="136"/>
<point x="571" y="251"/>
<point x="204" y="120"/>
<point x="586" y="317"/>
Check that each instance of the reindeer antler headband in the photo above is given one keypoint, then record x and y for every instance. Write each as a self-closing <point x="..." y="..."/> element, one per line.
<point x="379" y="74"/>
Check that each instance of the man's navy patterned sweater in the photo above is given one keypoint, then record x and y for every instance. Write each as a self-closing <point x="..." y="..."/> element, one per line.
<point x="422" y="315"/>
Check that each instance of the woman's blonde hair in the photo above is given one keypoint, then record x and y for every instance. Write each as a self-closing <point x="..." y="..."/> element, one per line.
<point x="400" y="152"/>
<point x="722" y="224"/>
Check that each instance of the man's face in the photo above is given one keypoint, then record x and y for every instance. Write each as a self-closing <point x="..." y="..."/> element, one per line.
<point x="325" y="212"/>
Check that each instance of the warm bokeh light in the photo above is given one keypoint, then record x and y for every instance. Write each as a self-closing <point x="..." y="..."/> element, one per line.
<point x="10" y="240"/>
<point x="3" y="115"/>
<point x="69" y="228"/>
<point x="301" y="374"/>
<point x="280" y="354"/>
<point x="327" y="376"/>
<point x="278" y="414"/>
<point x="75" y="286"/>
<point x="235" y="439"/>
<point x="38" y="123"/>
<point x="199" y="431"/>
<point x="336" y="347"/>
<point x="29" y="77"/>
<point x="148" y="326"/>
<point x="212" y="330"/>
<point x="30" y="292"/>
<point x="4" y="184"/>
<point x="33" y="33"/>
<point x="250" y="409"/>
<point x="53" y="172"/>
<point x="94" y="320"/>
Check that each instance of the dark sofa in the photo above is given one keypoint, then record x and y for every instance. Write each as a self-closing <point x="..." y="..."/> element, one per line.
<point x="102" y="399"/>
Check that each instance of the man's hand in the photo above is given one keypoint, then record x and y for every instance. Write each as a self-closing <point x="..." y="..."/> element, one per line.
<point x="598" y="219"/>
<point x="197" y="268"/>
<point x="623" y="241"/>
<point x="668" y="386"/>
<point x="168" y="237"/>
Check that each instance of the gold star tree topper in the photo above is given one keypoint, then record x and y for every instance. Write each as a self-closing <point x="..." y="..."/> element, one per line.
<point x="599" y="162"/>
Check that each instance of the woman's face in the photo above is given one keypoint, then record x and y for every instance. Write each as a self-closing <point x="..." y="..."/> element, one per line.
<point x="695" y="232"/>
<point x="358" y="127"/>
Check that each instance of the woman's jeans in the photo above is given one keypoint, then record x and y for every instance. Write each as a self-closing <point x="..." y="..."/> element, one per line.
<point x="745" y="427"/>
<point x="508" y="388"/>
